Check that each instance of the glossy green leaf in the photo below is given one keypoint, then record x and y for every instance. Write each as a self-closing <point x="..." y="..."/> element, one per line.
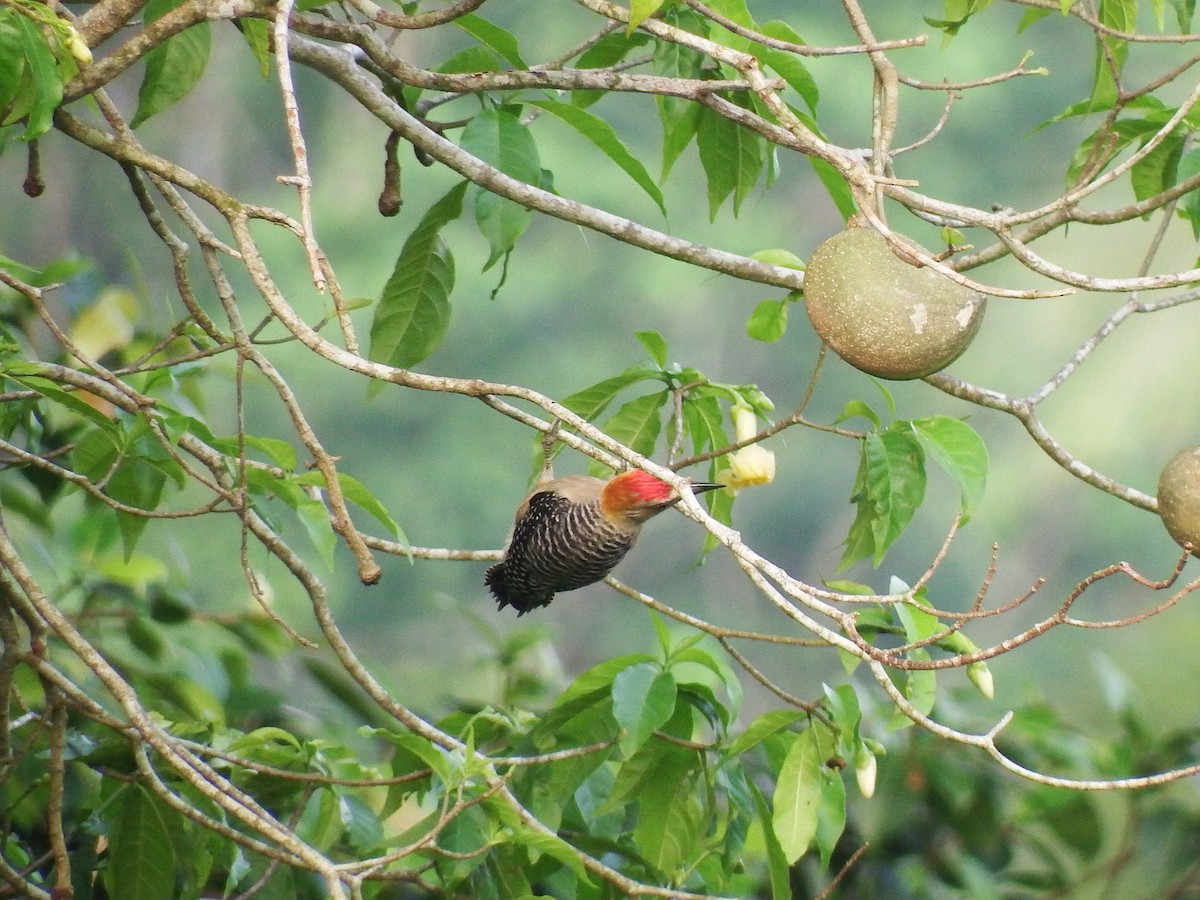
<point x="277" y="452"/>
<point x="889" y="488"/>
<point x="768" y="322"/>
<point x="590" y="402"/>
<point x="680" y="123"/>
<point x="844" y="710"/>
<point x="12" y="58"/>
<point x="598" y="679"/>
<point x="704" y="420"/>
<point x="670" y="823"/>
<point x="494" y="37"/>
<point x="760" y="729"/>
<point x="356" y="492"/>
<point x="140" y="485"/>
<point x="797" y="797"/>
<point x="831" y="814"/>
<point x="1189" y="204"/>
<point x="538" y="841"/>
<point x="732" y="158"/>
<point x="173" y="67"/>
<point x="415" y="746"/>
<point x="498" y="137"/>
<point x="1184" y="11"/>
<point x="414" y="309"/>
<point x="606" y="52"/>
<point x="640" y="10"/>
<point x="920" y="689"/>
<point x="729" y="679"/>
<point x="959" y="450"/>
<point x="605" y="138"/>
<point x="257" y="34"/>
<point x="44" y="83"/>
<point x="643" y="700"/>
<point x="919" y="685"/>
<point x="141" y="856"/>
<point x="1159" y="170"/>
<point x="637" y="423"/>
<point x="26" y="375"/>
<point x="655" y="345"/>
<point x="1112" y="51"/>
<point x="789" y="66"/>
<point x="779" y="257"/>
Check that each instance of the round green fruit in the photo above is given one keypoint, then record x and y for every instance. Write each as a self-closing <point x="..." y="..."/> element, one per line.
<point x="1179" y="499"/>
<point x="882" y="315"/>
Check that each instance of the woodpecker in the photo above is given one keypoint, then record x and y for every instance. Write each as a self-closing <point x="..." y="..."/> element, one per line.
<point x="571" y="531"/>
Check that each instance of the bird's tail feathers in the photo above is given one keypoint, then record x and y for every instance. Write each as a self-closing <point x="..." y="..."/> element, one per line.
<point x="497" y="583"/>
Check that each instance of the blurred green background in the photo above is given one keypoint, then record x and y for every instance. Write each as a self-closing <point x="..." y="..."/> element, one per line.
<point x="451" y="471"/>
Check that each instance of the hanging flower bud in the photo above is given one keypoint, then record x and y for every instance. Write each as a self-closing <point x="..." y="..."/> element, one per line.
<point x="865" y="768"/>
<point x="80" y="50"/>
<point x="750" y="465"/>
<point x="981" y="677"/>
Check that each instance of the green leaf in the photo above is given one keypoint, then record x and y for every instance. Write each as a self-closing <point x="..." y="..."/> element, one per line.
<point x="797" y="796"/>
<point x="44" y="81"/>
<point x="788" y="65"/>
<point x="599" y="678"/>
<point x="494" y="37"/>
<point x="173" y="67"/>
<point x="498" y="137"/>
<point x="257" y="34"/>
<point x="538" y="841"/>
<point x="1189" y="204"/>
<point x="26" y="375"/>
<point x="356" y="492"/>
<point x="920" y="685"/>
<point x="858" y="409"/>
<point x="312" y="513"/>
<point x="768" y="322"/>
<point x="889" y="488"/>
<point x="701" y="657"/>
<point x="590" y="402"/>
<point x="760" y="729"/>
<point x="141" y="856"/>
<point x="277" y="452"/>
<point x="639" y="10"/>
<point x="1159" y="170"/>
<point x="680" y="123"/>
<point x="643" y="700"/>
<point x="655" y="345"/>
<point x="705" y="421"/>
<point x="958" y="450"/>
<point x="836" y="186"/>
<point x="844" y="710"/>
<point x="637" y="423"/>
<point x="606" y="52"/>
<point x="1184" y="10"/>
<point x="831" y="814"/>
<point x="414" y="309"/>
<point x="669" y="823"/>
<point x="419" y="752"/>
<point x="140" y="485"/>
<point x="777" y="862"/>
<point x="732" y="158"/>
<point x="314" y="516"/>
<point x="778" y="257"/>
<point x="600" y="133"/>
<point x="12" y="59"/>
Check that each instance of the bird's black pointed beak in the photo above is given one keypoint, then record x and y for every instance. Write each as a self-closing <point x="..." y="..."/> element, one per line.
<point x="700" y="487"/>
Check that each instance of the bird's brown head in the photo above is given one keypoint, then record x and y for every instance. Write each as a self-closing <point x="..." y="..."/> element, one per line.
<point x="635" y="496"/>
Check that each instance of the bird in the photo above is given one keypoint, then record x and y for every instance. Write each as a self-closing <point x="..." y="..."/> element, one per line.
<point x="572" y="531"/>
